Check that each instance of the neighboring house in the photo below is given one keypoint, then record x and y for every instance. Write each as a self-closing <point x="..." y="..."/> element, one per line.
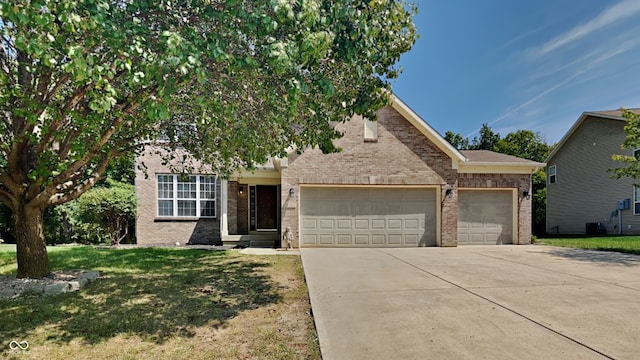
<point x="582" y="197"/>
<point x="396" y="183"/>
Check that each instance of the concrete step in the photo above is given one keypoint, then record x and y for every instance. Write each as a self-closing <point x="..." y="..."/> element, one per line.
<point x="254" y="240"/>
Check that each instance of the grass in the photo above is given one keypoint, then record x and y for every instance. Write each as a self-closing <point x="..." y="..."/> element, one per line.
<point x="623" y="244"/>
<point x="164" y="304"/>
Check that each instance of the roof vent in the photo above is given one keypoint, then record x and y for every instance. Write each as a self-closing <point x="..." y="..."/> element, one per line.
<point x="370" y="131"/>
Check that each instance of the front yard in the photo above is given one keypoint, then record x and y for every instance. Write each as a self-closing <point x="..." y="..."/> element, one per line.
<point x="164" y="304"/>
<point x="624" y="244"/>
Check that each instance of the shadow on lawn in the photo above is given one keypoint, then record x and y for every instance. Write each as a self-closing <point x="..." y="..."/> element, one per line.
<point x="153" y="293"/>
<point x="597" y="255"/>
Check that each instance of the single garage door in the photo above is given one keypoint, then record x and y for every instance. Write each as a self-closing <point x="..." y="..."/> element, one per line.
<point x="367" y="217"/>
<point x="485" y="217"/>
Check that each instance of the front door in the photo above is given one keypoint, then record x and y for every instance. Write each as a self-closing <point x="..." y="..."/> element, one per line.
<point x="266" y="207"/>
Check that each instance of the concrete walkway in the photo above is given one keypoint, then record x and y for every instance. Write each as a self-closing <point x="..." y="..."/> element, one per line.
<point x="497" y="302"/>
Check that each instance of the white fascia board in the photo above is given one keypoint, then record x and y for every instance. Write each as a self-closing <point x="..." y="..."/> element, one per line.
<point x="426" y="129"/>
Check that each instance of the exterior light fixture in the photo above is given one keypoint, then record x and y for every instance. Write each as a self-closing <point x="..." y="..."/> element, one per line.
<point x="448" y="193"/>
<point x="526" y="195"/>
<point x="292" y="192"/>
<point x="241" y="189"/>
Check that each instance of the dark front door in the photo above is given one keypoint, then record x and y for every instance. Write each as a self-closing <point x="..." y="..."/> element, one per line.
<point x="267" y="207"/>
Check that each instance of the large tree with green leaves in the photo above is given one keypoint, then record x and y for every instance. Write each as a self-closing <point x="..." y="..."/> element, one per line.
<point x="631" y="163"/>
<point x="82" y="83"/>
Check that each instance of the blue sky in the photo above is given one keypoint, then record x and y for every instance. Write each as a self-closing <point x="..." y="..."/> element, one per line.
<point x="516" y="64"/>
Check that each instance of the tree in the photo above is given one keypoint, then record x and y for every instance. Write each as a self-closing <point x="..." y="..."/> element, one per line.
<point x="488" y="139"/>
<point x="83" y="83"/>
<point x="632" y="141"/>
<point x="457" y="140"/>
<point x="112" y="208"/>
<point x="525" y="144"/>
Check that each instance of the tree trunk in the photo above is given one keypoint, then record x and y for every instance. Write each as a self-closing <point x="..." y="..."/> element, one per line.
<point x="33" y="261"/>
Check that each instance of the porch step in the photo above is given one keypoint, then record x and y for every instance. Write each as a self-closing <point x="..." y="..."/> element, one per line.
<point x="260" y="240"/>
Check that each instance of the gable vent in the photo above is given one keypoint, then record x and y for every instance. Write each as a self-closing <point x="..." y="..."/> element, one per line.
<point x="370" y="131"/>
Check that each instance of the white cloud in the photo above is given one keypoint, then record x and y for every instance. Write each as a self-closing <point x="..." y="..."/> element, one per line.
<point x="621" y="10"/>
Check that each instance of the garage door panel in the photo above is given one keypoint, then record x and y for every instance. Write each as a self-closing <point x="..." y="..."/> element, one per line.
<point x="394" y="224"/>
<point x="395" y="239"/>
<point x="309" y="224"/>
<point x="343" y="239"/>
<point x="377" y="224"/>
<point x="485" y="217"/>
<point x="411" y="224"/>
<point x="326" y="239"/>
<point x="326" y="224"/>
<point x="377" y="239"/>
<point x="411" y="239"/>
<point x="361" y="224"/>
<point x="371" y="216"/>
<point x="344" y="224"/>
<point x="361" y="239"/>
<point x="309" y="239"/>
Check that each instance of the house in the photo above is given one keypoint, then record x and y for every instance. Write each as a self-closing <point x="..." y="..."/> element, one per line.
<point x="582" y="197"/>
<point x="396" y="183"/>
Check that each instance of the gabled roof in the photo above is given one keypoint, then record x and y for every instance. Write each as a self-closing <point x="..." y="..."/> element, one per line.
<point x="426" y="129"/>
<point x="615" y="115"/>
<point x="481" y="161"/>
<point x="470" y="161"/>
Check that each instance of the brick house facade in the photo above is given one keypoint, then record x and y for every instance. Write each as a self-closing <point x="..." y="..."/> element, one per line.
<point x="396" y="182"/>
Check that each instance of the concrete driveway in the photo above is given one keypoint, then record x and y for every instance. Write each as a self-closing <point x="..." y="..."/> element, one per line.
<point x="475" y="302"/>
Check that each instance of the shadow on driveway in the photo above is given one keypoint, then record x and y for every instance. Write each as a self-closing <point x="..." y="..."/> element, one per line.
<point x="595" y="256"/>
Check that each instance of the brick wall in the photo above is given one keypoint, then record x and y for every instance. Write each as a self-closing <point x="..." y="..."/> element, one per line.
<point x="402" y="155"/>
<point x="152" y="231"/>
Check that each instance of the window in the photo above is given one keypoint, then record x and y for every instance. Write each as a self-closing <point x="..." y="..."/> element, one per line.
<point x="552" y="174"/>
<point x="636" y="154"/>
<point x="636" y="200"/>
<point x="186" y="196"/>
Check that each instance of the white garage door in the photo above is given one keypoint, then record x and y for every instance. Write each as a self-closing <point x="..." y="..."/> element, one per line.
<point x="485" y="217"/>
<point x="367" y="217"/>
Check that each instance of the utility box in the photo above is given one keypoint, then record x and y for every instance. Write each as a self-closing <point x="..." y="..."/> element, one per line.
<point x="624" y="204"/>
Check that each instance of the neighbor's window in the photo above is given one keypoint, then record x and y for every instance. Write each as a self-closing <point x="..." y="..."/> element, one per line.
<point x="636" y="200"/>
<point x="187" y="196"/>
<point x="552" y="174"/>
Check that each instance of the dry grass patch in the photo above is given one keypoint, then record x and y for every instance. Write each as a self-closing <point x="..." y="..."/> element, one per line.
<point x="167" y="304"/>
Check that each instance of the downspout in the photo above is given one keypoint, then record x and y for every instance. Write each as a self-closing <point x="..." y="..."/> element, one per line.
<point x="619" y="222"/>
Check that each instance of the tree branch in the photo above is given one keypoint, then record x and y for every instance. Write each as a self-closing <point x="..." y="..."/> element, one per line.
<point x="7" y="198"/>
<point x="91" y="153"/>
<point x="81" y="188"/>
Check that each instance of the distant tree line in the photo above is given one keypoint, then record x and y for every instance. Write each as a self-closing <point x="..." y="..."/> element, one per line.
<point x="524" y="144"/>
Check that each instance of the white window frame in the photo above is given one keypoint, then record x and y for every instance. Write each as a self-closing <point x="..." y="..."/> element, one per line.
<point x="171" y="193"/>
<point x="636" y="199"/>
<point x="555" y="176"/>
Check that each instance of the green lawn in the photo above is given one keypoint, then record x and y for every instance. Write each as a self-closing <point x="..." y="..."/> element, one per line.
<point x="624" y="244"/>
<point x="164" y="304"/>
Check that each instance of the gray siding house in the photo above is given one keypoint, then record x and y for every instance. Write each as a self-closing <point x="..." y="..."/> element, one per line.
<point x="582" y="197"/>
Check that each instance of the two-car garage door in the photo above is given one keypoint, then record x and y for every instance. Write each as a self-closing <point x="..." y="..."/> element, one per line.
<point x="367" y="217"/>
